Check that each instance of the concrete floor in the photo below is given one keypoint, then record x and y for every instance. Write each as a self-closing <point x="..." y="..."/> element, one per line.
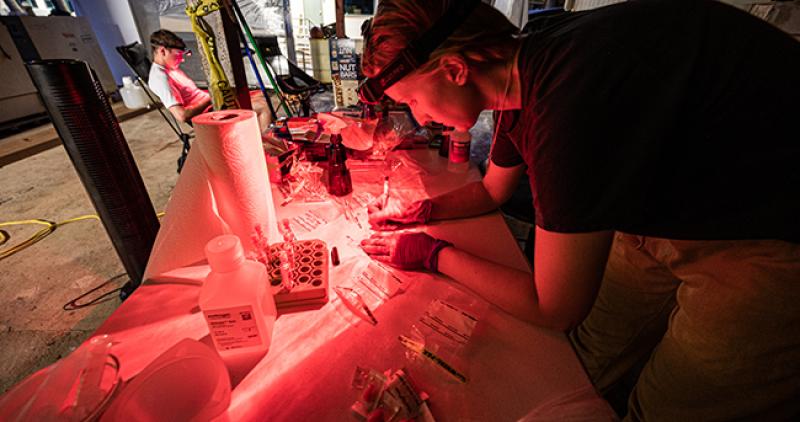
<point x="37" y="282"/>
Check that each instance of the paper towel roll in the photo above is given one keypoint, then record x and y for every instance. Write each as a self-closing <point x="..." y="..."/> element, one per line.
<point x="223" y="189"/>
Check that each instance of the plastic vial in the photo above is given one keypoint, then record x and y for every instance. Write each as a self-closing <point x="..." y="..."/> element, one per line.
<point x="458" y="158"/>
<point x="287" y="256"/>
<point x="238" y="308"/>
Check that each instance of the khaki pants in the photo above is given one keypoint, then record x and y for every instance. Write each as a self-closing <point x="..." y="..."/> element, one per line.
<point x="720" y="321"/>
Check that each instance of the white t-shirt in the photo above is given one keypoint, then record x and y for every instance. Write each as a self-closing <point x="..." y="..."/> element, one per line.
<point x="173" y="87"/>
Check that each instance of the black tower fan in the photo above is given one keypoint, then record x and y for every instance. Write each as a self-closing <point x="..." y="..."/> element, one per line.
<point x="83" y="118"/>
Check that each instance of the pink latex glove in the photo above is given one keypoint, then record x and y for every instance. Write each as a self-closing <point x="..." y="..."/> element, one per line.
<point x="407" y="251"/>
<point x="395" y="214"/>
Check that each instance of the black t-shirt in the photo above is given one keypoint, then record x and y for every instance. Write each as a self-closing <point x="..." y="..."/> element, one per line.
<point x="667" y="118"/>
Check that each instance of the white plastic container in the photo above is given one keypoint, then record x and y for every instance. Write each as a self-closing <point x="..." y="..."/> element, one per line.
<point x="133" y="95"/>
<point x="188" y="382"/>
<point x="238" y="307"/>
<point x="458" y="156"/>
<point x="321" y="60"/>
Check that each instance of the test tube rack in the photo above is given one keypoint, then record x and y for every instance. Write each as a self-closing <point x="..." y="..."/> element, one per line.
<point x="311" y="276"/>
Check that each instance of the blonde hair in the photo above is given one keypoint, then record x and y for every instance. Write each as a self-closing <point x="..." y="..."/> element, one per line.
<point x="480" y="39"/>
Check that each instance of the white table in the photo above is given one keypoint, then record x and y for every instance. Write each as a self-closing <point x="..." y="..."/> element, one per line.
<point x="512" y="366"/>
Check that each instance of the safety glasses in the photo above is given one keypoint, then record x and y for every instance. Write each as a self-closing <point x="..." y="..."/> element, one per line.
<point x="185" y="52"/>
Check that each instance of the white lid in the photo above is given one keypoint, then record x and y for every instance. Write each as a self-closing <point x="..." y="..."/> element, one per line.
<point x="127" y="80"/>
<point x="224" y="253"/>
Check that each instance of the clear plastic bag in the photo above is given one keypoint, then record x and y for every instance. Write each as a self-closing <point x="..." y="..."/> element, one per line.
<point x="391" y="131"/>
<point x="444" y="330"/>
<point x="76" y="388"/>
<point x="388" y="396"/>
<point x="304" y="184"/>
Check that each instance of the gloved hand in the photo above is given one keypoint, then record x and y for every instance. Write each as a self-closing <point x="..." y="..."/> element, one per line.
<point x="407" y="251"/>
<point x="396" y="214"/>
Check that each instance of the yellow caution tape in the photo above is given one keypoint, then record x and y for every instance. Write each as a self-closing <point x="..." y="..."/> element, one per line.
<point x="222" y="93"/>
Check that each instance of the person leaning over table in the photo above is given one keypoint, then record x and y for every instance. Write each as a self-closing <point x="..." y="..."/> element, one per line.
<point x="661" y="144"/>
<point x="177" y="91"/>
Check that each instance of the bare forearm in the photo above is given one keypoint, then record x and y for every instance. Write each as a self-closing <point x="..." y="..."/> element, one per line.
<point x="195" y="109"/>
<point x="467" y="201"/>
<point x="509" y="289"/>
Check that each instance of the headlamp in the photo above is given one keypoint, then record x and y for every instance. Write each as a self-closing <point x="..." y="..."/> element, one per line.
<point x="181" y="47"/>
<point x="372" y="90"/>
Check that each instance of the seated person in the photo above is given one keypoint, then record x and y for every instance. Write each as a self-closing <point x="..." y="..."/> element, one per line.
<point x="174" y="88"/>
<point x="177" y="91"/>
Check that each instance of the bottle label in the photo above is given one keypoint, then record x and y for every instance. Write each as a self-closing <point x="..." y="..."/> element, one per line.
<point x="459" y="151"/>
<point x="233" y="328"/>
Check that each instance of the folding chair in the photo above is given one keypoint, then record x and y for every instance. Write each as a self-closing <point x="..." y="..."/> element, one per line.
<point x="291" y="80"/>
<point x="137" y="58"/>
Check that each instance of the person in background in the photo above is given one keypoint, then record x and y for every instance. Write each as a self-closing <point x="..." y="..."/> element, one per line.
<point x="661" y="142"/>
<point x="174" y="88"/>
<point x="177" y="91"/>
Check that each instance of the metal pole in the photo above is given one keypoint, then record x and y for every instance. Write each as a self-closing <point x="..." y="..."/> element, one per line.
<point x="291" y="54"/>
<point x="260" y="81"/>
<point x="260" y="56"/>
<point x="15" y="7"/>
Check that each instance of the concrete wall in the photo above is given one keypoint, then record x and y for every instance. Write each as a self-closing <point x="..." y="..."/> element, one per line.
<point x="113" y="24"/>
<point x="145" y="14"/>
<point x="328" y="12"/>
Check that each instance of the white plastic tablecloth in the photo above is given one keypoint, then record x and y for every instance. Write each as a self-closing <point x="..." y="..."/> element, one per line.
<point x="513" y="367"/>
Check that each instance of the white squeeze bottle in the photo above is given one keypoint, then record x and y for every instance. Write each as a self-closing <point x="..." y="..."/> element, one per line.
<point x="239" y="313"/>
<point x="133" y="95"/>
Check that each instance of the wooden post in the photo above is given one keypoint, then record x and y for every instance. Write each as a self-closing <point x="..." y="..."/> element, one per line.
<point x="226" y="43"/>
<point x="340" y="19"/>
<point x="230" y="33"/>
